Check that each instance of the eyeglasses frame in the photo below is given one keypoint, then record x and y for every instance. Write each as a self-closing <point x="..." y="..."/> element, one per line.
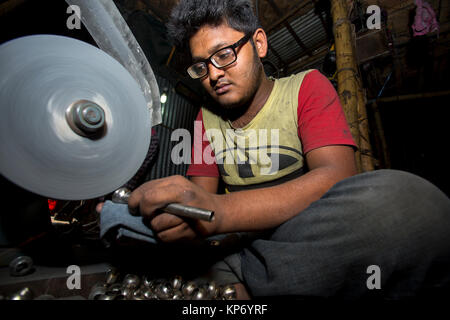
<point x="234" y="46"/>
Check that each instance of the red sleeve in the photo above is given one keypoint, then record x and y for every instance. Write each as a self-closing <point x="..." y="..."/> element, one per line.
<point x="321" y="119"/>
<point x="198" y="167"/>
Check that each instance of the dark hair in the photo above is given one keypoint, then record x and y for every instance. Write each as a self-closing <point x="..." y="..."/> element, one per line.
<point x="190" y="15"/>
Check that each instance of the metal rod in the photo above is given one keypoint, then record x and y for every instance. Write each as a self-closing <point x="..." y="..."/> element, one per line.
<point x="189" y="212"/>
<point x="384" y="85"/>
<point x="414" y="96"/>
<point x="121" y="195"/>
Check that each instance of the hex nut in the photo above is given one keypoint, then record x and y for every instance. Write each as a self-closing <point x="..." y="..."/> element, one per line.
<point x="21" y="266"/>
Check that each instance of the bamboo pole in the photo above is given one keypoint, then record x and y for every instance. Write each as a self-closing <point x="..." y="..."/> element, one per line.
<point x="365" y="147"/>
<point x="350" y="89"/>
<point x="367" y="159"/>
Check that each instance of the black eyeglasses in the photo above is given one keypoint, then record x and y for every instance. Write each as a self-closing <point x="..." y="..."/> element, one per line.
<point x="220" y="59"/>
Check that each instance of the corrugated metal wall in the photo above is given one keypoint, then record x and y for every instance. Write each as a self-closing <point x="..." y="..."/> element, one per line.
<point x="309" y="29"/>
<point x="177" y="112"/>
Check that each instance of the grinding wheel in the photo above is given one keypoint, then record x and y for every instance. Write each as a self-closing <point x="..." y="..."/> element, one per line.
<point x="74" y="124"/>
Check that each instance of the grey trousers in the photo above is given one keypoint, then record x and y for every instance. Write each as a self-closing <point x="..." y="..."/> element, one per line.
<point x="384" y="233"/>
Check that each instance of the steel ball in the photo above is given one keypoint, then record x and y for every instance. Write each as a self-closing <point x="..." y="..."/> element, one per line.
<point x="114" y="288"/>
<point x="212" y="290"/>
<point x="148" y="282"/>
<point x="229" y="292"/>
<point x="131" y="280"/>
<point x="188" y="288"/>
<point x="177" y="295"/>
<point x="22" y="294"/>
<point x="97" y="290"/>
<point x="112" y="275"/>
<point x="176" y="282"/>
<point x="126" y="291"/>
<point x="107" y="296"/>
<point x="199" y="294"/>
<point x="164" y="291"/>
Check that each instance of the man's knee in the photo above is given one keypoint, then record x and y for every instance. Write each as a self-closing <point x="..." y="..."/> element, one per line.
<point x="391" y="189"/>
<point x="395" y="180"/>
<point x="386" y="202"/>
<point x="389" y="218"/>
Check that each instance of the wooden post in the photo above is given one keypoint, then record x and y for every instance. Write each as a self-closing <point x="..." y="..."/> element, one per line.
<point x="367" y="159"/>
<point x="380" y="132"/>
<point x="350" y="89"/>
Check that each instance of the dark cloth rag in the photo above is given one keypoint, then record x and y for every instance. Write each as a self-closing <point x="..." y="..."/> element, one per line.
<point x="116" y="222"/>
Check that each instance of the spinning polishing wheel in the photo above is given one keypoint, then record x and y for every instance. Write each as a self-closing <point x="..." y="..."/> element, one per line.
<point x="74" y="124"/>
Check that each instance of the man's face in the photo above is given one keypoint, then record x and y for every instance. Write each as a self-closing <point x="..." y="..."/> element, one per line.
<point x="236" y="84"/>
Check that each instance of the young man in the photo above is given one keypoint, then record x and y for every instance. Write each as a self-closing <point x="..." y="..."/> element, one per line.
<point x="327" y="229"/>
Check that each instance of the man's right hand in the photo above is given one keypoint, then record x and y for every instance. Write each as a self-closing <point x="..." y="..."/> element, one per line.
<point x="153" y="195"/>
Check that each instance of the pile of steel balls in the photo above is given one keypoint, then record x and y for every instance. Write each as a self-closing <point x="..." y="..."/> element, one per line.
<point x="22" y="294"/>
<point x="133" y="287"/>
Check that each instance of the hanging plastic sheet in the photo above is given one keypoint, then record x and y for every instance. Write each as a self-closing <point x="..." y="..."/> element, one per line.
<point x="111" y="33"/>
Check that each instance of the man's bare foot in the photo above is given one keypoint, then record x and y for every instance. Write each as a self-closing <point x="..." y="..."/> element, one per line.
<point x="99" y="207"/>
<point x="241" y="292"/>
